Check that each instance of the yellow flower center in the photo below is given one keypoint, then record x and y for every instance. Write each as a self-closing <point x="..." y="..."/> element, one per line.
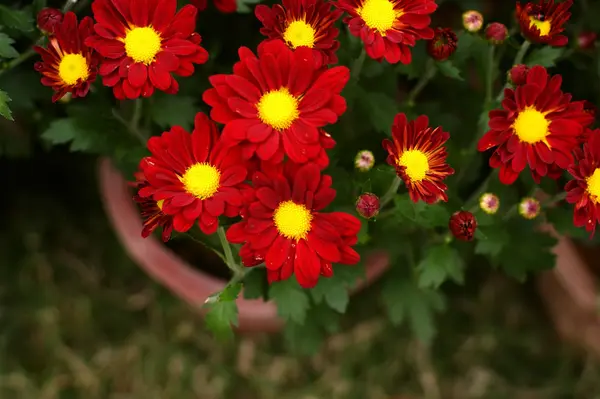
<point x="142" y="44"/>
<point x="72" y="68"/>
<point x="531" y="126"/>
<point x="299" y="34"/>
<point x="160" y="203"/>
<point x="416" y="164"/>
<point x="278" y="109"/>
<point x="201" y="180"/>
<point x="543" y="26"/>
<point x="379" y="14"/>
<point x="593" y="186"/>
<point x="293" y="221"/>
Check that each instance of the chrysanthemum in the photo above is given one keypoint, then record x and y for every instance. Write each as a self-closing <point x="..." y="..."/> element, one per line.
<point x="285" y="228"/>
<point x="225" y="6"/>
<point x="584" y="190"/>
<point x="489" y="203"/>
<point x="443" y="44"/>
<point x="538" y="126"/>
<point x="303" y="23"/>
<point x="143" y="44"/>
<point x="529" y="208"/>
<point x="274" y="104"/>
<point x="195" y="175"/>
<point x="151" y="210"/>
<point x="543" y="22"/>
<point x="417" y="152"/>
<point x="389" y="28"/>
<point x="68" y="65"/>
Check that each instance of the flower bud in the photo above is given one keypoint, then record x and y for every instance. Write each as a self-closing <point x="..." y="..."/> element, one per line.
<point x="518" y="74"/>
<point x="462" y="225"/>
<point x="489" y="203"/>
<point x="586" y="40"/>
<point x="443" y="44"/>
<point x="496" y="33"/>
<point x="367" y="205"/>
<point x="364" y="160"/>
<point x="529" y="208"/>
<point x="472" y="21"/>
<point x="47" y="19"/>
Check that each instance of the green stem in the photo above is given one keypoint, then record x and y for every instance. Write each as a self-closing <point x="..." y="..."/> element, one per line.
<point x="134" y="132"/>
<point x="389" y="195"/>
<point x="358" y="64"/>
<point x="229" y="260"/>
<point x="518" y="60"/>
<point x="430" y="71"/>
<point x="489" y="77"/>
<point x="134" y="124"/>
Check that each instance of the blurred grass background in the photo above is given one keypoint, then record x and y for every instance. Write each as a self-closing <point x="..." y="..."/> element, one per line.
<point x="79" y="320"/>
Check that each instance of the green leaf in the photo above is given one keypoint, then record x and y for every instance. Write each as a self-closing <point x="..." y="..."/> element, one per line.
<point x="292" y="302"/>
<point x="448" y="69"/>
<point x="220" y="317"/>
<point x="440" y="263"/>
<point x="561" y="217"/>
<point x="303" y="339"/>
<point x="37" y="6"/>
<point x="545" y="56"/>
<point x="382" y="110"/>
<point x="16" y="19"/>
<point x="242" y="5"/>
<point x="6" y="48"/>
<point x="169" y="111"/>
<point x="4" y="109"/>
<point x="333" y="291"/>
<point x="255" y="283"/>
<point x="407" y="208"/>
<point x="61" y="131"/>
<point x="435" y="215"/>
<point x="492" y="241"/>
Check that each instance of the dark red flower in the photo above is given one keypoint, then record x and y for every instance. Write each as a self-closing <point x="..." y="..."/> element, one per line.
<point x="417" y="152"/>
<point x="225" y="6"/>
<point x="275" y="104"/>
<point x="544" y="22"/>
<point x="303" y="23"/>
<point x="195" y="175"/>
<point x="518" y="74"/>
<point x="284" y="226"/>
<point x="151" y="210"/>
<point x="143" y="44"/>
<point x="584" y="190"/>
<point x="443" y="44"/>
<point x="538" y="126"/>
<point x="389" y="28"/>
<point x="367" y="205"/>
<point x="68" y="65"/>
<point x="587" y="40"/>
<point x="496" y="33"/>
<point x="48" y="19"/>
<point x="462" y="225"/>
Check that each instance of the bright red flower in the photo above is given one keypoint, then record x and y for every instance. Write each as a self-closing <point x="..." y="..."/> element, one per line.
<point x="143" y="44"/>
<point x="544" y="22"/>
<point x="443" y="44"/>
<point x="68" y="65"/>
<point x="225" y="6"/>
<point x="303" y="23"/>
<point x="274" y="104"/>
<point x="195" y="175"/>
<point x="538" y="126"/>
<point x="462" y="225"/>
<point x="584" y="190"/>
<point x="417" y="152"/>
<point x="389" y="28"/>
<point x="285" y="228"/>
<point x="48" y="19"/>
<point x="151" y="210"/>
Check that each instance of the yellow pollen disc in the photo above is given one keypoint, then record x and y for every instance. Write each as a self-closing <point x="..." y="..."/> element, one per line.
<point x="292" y="220"/>
<point x="379" y="14"/>
<point x="142" y="44"/>
<point x="299" y="34"/>
<point x="201" y="180"/>
<point x="416" y="164"/>
<point x="278" y="109"/>
<point x="593" y="185"/>
<point x="543" y="26"/>
<point x="160" y="203"/>
<point x="72" y="68"/>
<point x="531" y="126"/>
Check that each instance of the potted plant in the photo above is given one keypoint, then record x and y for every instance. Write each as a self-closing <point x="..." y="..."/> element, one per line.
<point x="338" y="135"/>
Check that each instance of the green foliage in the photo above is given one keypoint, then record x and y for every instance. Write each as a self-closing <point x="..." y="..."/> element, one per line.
<point x="292" y="301"/>
<point x="222" y="311"/>
<point x="4" y="108"/>
<point x="168" y="111"/>
<point x="446" y="68"/>
<point x="382" y="110"/>
<point x="421" y="214"/>
<point x="19" y="20"/>
<point x="440" y="263"/>
<point x="6" y="48"/>
<point x="255" y="283"/>
<point x="244" y="6"/>
<point x="545" y="56"/>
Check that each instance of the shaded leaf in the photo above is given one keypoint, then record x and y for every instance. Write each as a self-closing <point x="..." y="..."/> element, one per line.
<point x="6" y="48"/>
<point x="545" y="56"/>
<point x="440" y="263"/>
<point x="220" y="318"/>
<point x="4" y="108"/>
<point x="382" y="110"/>
<point x="292" y="302"/>
<point x="16" y="19"/>
<point x="333" y="291"/>
<point x="448" y="69"/>
<point x="255" y="283"/>
<point x="169" y="111"/>
<point x="303" y="339"/>
<point x="491" y="241"/>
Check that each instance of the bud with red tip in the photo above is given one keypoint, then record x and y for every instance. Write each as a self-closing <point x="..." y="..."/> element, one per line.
<point x="496" y="33"/>
<point x="364" y="160"/>
<point x="518" y="74"/>
<point x="529" y="208"/>
<point x="47" y="20"/>
<point x="462" y="225"/>
<point x="367" y="205"/>
<point x="443" y="44"/>
<point x="586" y="40"/>
<point x="472" y="21"/>
<point x="489" y="203"/>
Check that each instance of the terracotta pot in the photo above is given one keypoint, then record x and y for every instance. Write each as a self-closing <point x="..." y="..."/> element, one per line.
<point x="190" y="284"/>
<point x="570" y="292"/>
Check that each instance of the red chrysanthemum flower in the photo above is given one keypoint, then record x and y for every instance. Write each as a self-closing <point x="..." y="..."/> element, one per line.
<point x="151" y="210"/>
<point x="143" y="44"/>
<point x="284" y="227"/>
<point x="275" y="104"/>
<point x="389" y="28"/>
<point x="443" y="44"/>
<point x="584" y="190"/>
<point x="225" y="6"/>
<point x="196" y="176"/>
<point x="303" y="23"/>
<point x="543" y="22"/>
<point x="538" y="126"/>
<point x="417" y="152"/>
<point x="68" y="65"/>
